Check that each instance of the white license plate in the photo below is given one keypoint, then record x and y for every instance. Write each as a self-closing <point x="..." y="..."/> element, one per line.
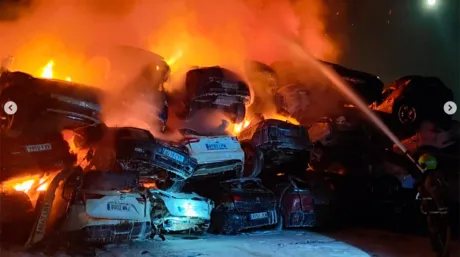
<point x="173" y="155"/>
<point x="217" y="146"/>
<point x="118" y="207"/>
<point x="260" y="215"/>
<point x="38" y="148"/>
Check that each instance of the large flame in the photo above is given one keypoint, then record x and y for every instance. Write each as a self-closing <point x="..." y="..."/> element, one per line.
<point x="237" y="128"/>
<point x="48" y="71"/>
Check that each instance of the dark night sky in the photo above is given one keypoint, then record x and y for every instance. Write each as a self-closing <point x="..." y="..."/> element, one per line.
<point x="417" y="39"/>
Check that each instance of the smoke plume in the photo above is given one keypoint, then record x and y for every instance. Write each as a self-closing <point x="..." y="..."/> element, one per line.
<point x="185" y="32"/>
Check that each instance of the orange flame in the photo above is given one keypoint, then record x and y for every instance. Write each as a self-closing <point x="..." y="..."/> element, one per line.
<point x="28" y="184"/>
<point x="48" y="71"/>
<point x="240" y="126"/>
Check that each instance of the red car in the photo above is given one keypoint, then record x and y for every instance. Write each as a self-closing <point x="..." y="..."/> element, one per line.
<point x="304" y="204"/>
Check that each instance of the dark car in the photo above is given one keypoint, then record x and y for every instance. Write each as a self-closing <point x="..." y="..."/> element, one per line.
<point x="133" y="149"/>
<point x="274" y="143"/>
<point x="410" y="100"/>
<point x="241" y="204"/>
<point x="38" y="152"/>
<point x="368" y="86"/>
<point x="48" y="104"/>
<point x="216" y="88"/>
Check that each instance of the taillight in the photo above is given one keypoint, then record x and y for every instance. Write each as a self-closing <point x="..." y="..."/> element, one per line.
<point x="93" y="196"/>
<point x="237" y="198"/>
<point x="190" y="140"/>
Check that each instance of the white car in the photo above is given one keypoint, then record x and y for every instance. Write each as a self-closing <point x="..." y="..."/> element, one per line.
<point x="215" y="155"/>
<point x="109" y="208"/>
<point x="180" y="212"/>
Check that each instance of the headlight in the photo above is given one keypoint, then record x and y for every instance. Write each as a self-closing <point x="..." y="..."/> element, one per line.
<point x="187" y="209"/>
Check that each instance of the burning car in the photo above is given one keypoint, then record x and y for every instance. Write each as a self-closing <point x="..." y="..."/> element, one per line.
<point x="38" y="152"/>
<point x="163" y="163"/>
<point x="108" y="208"/>
<point x="274" y="143"/>
<point x="215" y="88"/>
<point x="241" y="204"/>
<point x="215" y="154"/>
<point x="180" y="212"/>
<point x="48" y="104"/>
<point x="411" y="100"/>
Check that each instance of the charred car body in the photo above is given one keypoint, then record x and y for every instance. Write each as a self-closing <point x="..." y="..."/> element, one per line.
<point x="410" y="100"/>
<point x="34" y="153"/>
<point x="216" y="88"/>
<point x="163" y="163"/>
<point x="49" y="104"/>
<point x="180" y="212"/>
<point x="273" y="143"/>
<point x="240" y="204"/>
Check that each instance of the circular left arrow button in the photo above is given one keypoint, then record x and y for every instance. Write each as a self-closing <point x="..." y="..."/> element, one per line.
<point x="10" y="107"/>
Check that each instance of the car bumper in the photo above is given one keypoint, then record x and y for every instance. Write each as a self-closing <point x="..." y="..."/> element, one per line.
<point x="242" y="221"/>
<point x="147" y="168"/>
<point x="116" y="232"/>
<point x="178" y="224"/>
<point x="301" y="219"/>
<point x="217" y="168"/>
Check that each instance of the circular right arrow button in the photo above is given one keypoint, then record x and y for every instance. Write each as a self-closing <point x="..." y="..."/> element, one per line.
<point x="450" y="108"/>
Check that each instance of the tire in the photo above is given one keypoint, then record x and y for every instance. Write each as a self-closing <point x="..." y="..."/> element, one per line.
<point x="253" y="161"/>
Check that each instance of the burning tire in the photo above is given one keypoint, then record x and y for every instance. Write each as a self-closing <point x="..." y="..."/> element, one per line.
<point x="253" y="161"/>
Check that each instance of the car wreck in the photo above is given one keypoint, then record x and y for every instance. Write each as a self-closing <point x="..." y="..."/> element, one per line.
<point x="215" y="88"/>
<point x="216" y="155"/>
<point x="165" y="164"/>
<point x="180" y="212"/>
<point x="49" y="104"/>
<point x="270" y="144"/>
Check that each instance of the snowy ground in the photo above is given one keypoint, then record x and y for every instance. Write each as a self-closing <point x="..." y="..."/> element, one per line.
<point x="347" y="243"/>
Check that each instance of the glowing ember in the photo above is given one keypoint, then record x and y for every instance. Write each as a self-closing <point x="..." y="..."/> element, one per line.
<point x="28" y="184"/>
<point x="48" y="70"/>
<point x="68" y="79"/>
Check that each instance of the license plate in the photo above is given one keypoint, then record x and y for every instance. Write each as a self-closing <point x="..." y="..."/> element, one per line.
<point x="173" y="155"/>
<point x="260" y="215"/>
<point x="38" y="148"/>
<point x="217" y="146"/>
<point x="118" y="207"/>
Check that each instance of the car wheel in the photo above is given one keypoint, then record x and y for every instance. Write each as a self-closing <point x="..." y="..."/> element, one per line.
<point x="253" y="161"/>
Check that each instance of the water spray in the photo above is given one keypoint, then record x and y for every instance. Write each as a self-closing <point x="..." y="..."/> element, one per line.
<point x="350" y="94"/>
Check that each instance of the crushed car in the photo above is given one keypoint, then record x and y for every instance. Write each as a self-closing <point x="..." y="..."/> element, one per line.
<point x="216" y="155"/>
<point x="270" y="144"/>
<point x="48" y="104"/>
<point x="214" y="88"/>
<point x="180" y="212"/>
<point x="241" y="204"/>
<point x="410" y="100"/>
<point x="37" y="152"/>
<point x="108" y="207"/>
<point x="164" y="164"/>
